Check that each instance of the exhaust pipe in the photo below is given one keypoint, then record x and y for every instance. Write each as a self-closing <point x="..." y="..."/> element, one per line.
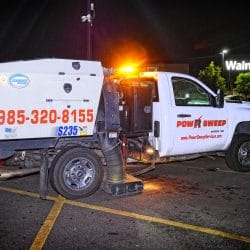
<point x="6" y="174"/>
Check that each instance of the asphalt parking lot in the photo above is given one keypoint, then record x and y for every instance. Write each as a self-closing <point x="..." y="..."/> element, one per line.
<point x="197" y="204"/>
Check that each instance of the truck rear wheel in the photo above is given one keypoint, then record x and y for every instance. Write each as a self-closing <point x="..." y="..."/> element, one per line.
<point x="238" y="155"/>
<point x="76" y="172"/>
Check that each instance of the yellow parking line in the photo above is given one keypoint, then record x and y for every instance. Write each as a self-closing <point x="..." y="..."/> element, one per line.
<point x="44" y="231"/>
<point x="48" y="224"/>
<point x="18" y="191"/>
<point x="161" y="221"/>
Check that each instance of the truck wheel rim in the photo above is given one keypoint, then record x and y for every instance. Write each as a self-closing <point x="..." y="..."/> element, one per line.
<point x="244" y="154"/>
<point x="79" y="173"/>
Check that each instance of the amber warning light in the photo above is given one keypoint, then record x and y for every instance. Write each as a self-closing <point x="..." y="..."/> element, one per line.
<point x="128" y="69"/>
<point x="133" y="70"/>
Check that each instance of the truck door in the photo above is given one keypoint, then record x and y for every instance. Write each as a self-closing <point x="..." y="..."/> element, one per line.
<point x="198" y="125"/>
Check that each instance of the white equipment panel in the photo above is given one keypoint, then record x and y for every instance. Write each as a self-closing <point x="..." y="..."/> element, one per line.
<point x="49" y="98"/>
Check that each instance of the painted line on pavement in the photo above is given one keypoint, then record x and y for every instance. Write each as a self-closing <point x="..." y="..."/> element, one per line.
<point x="44" y="231"/>
<point x="160" y="220"/>
<point x="18" y="191"/>
<point x="60" y="201"/>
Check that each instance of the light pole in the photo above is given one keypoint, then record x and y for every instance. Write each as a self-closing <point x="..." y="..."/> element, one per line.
<point x="223" y="52"/>
<point x="89" y="20"/>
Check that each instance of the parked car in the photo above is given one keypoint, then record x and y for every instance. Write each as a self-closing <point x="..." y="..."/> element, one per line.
<point x="234" y="98"/>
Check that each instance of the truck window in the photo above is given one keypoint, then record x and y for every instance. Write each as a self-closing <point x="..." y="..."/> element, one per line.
<point x="189" y="93"/>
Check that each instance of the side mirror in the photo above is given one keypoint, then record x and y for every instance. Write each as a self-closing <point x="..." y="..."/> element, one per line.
<point x="220" y="99"/>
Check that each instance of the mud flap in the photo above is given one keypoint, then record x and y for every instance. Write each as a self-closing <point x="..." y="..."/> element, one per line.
<point x="44" y="175"/>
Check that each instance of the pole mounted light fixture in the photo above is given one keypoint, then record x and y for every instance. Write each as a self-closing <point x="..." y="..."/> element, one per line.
<point x="224" y="51"/>
<point x="91" y="14"/>
<point x="89" y="20"/>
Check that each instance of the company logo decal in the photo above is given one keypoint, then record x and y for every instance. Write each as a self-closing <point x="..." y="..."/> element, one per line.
<point x="10" y="133"/>
<point x="216" y="125"/>
<point x="19" y="81"/>
<point x="198" y="123"/>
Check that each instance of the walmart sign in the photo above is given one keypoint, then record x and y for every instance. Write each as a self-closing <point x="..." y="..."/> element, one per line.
<point x="237" y="66"/>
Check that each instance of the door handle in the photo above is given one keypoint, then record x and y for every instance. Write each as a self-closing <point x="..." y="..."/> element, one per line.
<point x="183" y="115"/>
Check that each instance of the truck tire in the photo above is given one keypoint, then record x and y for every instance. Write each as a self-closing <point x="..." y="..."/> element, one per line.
<point x="238" y="155"/>
<point x="76" y="172"/>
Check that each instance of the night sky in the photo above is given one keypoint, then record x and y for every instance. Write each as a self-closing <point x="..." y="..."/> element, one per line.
<point x="143" y="30"/>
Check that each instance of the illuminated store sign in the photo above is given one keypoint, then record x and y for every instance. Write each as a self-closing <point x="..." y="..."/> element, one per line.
<point x="237" y="66"/>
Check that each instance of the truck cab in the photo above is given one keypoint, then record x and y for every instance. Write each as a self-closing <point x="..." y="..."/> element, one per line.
<point x="190" y="120"/>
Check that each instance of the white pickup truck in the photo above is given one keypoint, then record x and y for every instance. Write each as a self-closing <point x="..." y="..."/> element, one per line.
<point x="193" y="119"/>
<point x="86" y="123"/>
